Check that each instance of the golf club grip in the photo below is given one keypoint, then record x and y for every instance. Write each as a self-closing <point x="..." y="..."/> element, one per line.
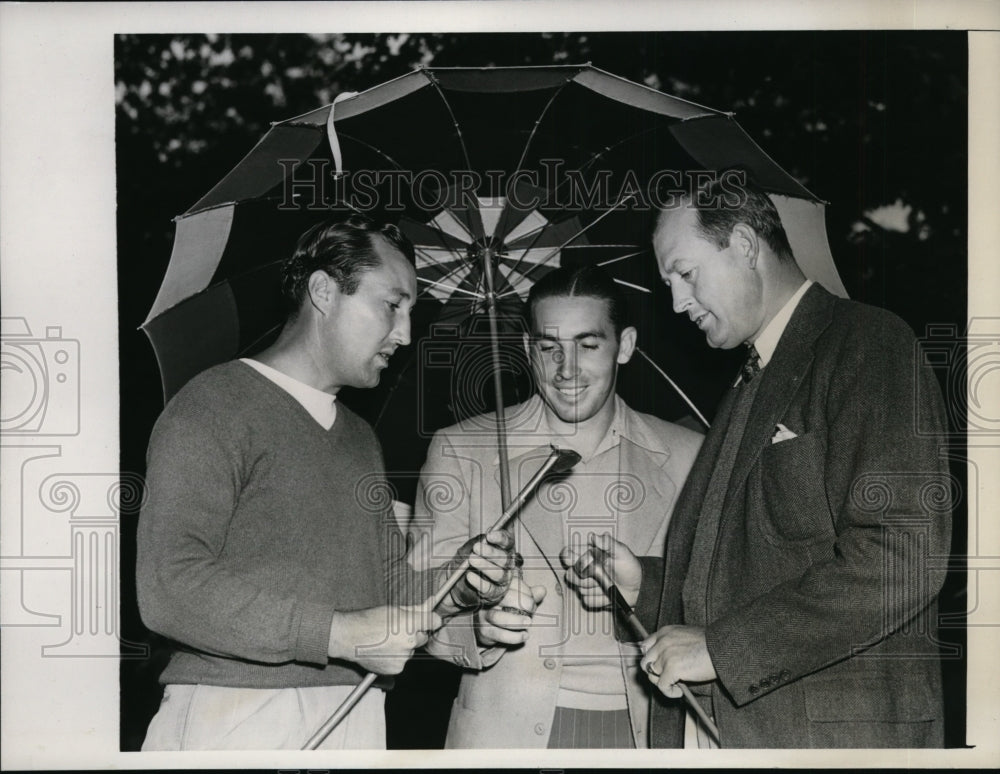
<point x="346" y="706"/>
<point x="454" y="578"/>
<point x="624" y="609"/>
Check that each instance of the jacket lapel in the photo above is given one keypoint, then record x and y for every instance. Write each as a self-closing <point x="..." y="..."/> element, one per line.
<point x="540" y="516"/>
<point x="641" y="523"/>
<point x="681" y="532"/>
<point x="779" y="382"/>
<point x="642" y="457"/>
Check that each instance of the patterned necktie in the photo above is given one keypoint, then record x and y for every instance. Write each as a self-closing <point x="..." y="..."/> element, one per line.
<point x="752" y="365"/>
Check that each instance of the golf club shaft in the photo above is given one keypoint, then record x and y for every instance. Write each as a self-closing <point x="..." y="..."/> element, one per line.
<point x="355" y="696"/>
<point x="500" y="523"/>
<point x="342" y="711"/>
<point x="625" y="610"/>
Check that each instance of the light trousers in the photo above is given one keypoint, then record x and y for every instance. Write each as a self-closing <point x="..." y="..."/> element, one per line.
<point x="212" y="717"/>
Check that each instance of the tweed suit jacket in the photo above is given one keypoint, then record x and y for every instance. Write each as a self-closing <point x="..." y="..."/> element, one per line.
<point x="507" y="696"/>
<point x="820" y="598"/>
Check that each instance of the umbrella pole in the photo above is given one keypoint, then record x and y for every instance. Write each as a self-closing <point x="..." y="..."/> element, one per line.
<point x="491" y="313"/>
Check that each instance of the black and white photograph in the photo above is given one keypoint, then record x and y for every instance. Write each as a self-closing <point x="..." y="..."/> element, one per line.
<point x="499" y="384"/>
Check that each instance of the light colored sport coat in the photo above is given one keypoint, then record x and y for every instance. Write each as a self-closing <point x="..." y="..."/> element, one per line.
<point x="507" y="696"/>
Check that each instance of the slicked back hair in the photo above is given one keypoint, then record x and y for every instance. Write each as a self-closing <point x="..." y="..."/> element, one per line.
<point x="586" y="281"/>
<point x="344" y="249"/>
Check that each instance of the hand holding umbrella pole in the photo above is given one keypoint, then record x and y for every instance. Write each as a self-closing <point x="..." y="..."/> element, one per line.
<point x="558" y="461"/>
<point x="591" y="565"/>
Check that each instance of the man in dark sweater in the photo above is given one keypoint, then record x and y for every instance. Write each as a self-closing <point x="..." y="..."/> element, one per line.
<point x="261" y="551"/>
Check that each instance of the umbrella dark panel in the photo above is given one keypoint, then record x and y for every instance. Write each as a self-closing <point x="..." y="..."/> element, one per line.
<point x="496" y="126"/>
<point x="608" y="135"/>
<point x="259" y="308"/>
<point x="258" y="174"/>
<point x="198" y="333"/>
<point x="262" y="234"/>
<point x="414" y="133"/>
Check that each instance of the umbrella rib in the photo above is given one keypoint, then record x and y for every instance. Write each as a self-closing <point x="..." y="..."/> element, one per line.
<point x="371" y="147"/>
<point x="602" y="263"/>
<point x="260" y="338"/>
<point x="524" y="155"/>
<point x="592" y="223"/>
<point x="580" y="247"/>
<point x="620" y="257"/>
<point x="459" y="258"/>
<point x="536" y="232"/>
<point x="444" y="244"/>
<point x="461" y="142"/>
<point x="631" y="285"/>
<point x="451" y="114"/>
<point x="524" y="275"/>
<point x="230" y="278"/>
<point x="426" y="291"/>
<point x="461" y="265"/>
<point x="674" y="384"/>
<point x="524" y="254"/>
<point x="607" y="149"/>
<point x="452" y="288"/>
<point x="538" y="121"/>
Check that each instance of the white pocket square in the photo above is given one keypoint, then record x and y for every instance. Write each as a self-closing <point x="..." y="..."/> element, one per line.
<point x="782" y="433"/>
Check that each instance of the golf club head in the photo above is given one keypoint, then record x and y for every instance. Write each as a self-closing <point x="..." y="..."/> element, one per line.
<point x="565" y="461"/>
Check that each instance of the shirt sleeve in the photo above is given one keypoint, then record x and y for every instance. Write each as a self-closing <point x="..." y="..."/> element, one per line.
<point x="443" y="512"/>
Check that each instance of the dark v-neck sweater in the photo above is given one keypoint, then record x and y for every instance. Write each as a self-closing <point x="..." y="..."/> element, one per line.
<point x="259" y="524"/>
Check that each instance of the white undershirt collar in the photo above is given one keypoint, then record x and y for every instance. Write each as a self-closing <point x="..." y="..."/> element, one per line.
<point x="322" y="406"/>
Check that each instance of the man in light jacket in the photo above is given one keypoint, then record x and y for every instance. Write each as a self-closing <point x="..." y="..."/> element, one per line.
<point x="543" y="667"/>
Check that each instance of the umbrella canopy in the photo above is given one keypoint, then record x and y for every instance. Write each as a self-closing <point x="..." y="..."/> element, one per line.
<point x="508" y="170"/>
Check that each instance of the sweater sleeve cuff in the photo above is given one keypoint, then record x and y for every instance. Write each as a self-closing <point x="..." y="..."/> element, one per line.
<point x="312" y="644"/>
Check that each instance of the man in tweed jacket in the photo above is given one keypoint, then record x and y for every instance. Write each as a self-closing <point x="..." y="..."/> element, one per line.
<point x="798" y="590"/>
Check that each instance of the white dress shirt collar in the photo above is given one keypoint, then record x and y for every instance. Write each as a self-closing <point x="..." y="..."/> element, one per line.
<point x="322" y="406"/>
<point x="768" y="340"/>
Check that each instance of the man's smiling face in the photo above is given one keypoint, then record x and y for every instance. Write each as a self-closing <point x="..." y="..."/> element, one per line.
<point x="575" y="356"/>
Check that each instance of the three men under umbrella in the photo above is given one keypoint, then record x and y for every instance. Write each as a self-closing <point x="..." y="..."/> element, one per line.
<point x="799" y="609"/>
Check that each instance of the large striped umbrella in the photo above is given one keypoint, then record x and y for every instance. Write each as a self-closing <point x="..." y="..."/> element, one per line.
<point x="497" y="174"/>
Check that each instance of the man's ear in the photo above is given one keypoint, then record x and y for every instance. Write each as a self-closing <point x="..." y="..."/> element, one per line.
<point x="626" y="344"/>
<point x="323" y="290"/>
<point x="744" y="238"/>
